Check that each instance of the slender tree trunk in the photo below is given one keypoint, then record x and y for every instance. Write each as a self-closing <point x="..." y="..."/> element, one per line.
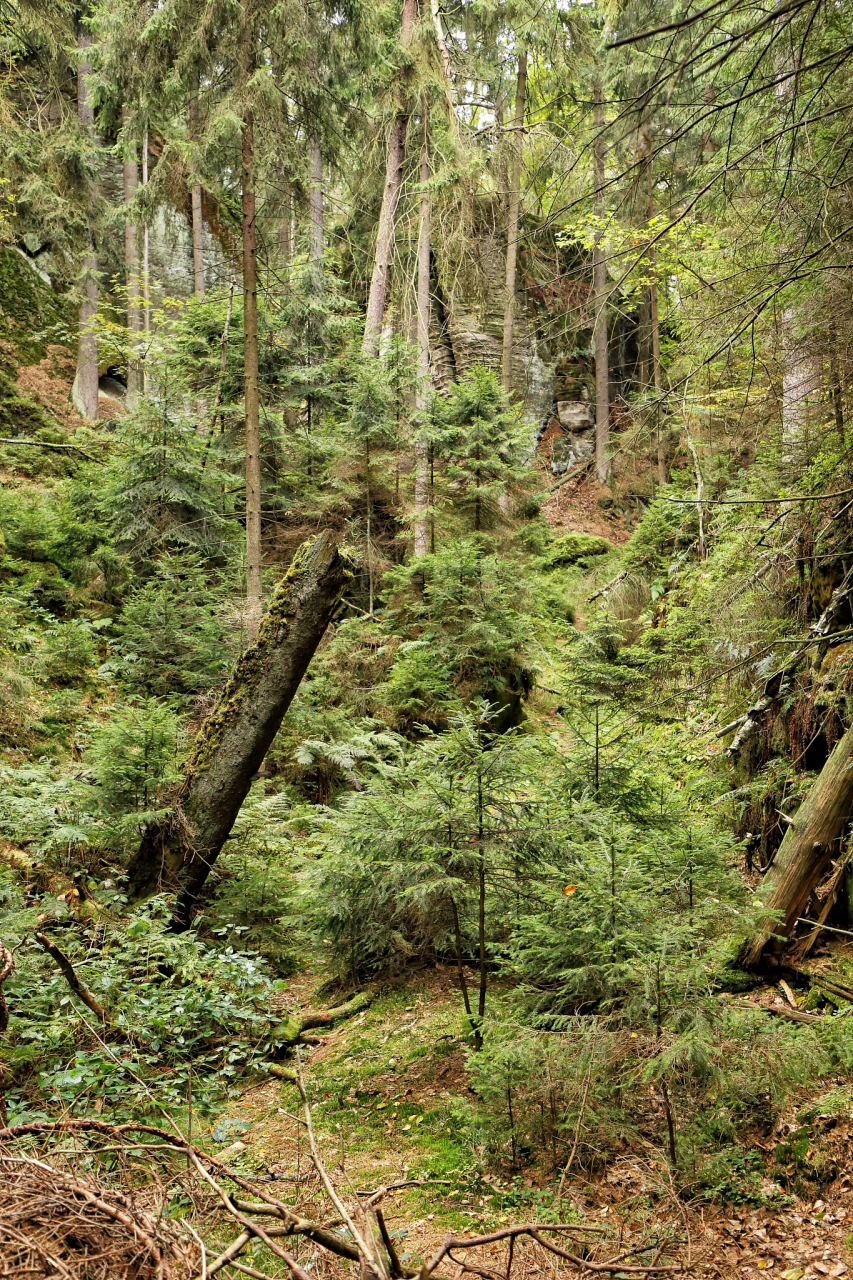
<point x="254" y="589"/>
<point x="513" y="223"/>
<point x="178" y="851"/>
<point x="390" y="200"/>
<point x="85" y="390"/>
<point x="423" y="391"/>
<point x="643" y="342"/>
<point x="805" y="851"/>
<point x="130" y="169"/>
<point x="254" y="558"/>
<point x="481" y="916"/>
<point x="654" y="330"/>
<point x="315" y="208"/>
<point x="708" y="145"/>
<point x="599" y="285"/>
<point x="285" y="226"/>
<point x="146" y="267"/>
<point x="195" y="193"/>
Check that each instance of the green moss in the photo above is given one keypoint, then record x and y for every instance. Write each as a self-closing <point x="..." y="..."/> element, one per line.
<point x="29" y="307"/>
<point x="572" y="547"/>
<point x="245" y="676"/>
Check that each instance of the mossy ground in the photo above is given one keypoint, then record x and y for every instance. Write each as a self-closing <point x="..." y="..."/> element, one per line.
<point x="391" y="1104"/>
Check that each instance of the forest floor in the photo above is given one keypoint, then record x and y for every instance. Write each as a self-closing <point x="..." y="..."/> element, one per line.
<point x="392" y="1108"/>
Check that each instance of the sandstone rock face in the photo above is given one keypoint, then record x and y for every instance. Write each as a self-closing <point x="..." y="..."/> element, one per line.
<point x="578" y="442"/>
<point x="575" y="415"/>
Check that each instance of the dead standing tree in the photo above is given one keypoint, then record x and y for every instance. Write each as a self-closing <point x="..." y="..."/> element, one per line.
<point x="178" y="851"/>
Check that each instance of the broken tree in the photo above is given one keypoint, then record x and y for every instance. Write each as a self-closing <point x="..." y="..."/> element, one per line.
<point x="805" y="852"/>
<point x="178" y="851"/>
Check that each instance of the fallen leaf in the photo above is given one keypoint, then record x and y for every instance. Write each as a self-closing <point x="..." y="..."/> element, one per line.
<point x="793" y="1273"/>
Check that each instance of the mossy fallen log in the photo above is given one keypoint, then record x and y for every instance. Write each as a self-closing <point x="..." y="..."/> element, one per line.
<point x="805" y="852"/>
<point x="177" y="852"/>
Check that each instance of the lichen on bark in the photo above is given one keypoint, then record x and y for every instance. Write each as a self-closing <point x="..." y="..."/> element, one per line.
<point x="179" y="851"/>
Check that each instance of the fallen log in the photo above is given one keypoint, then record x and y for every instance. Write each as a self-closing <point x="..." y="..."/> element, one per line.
<point x="805" y="851"/>
<point x="178" y="851"/>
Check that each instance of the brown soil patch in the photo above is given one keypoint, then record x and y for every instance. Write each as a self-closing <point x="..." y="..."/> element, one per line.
<point x="49" y="384"/>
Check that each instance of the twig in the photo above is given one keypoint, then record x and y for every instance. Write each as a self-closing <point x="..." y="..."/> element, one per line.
<point x="568" y="1164"/>
<point x="397" y="1271"/>
<point x="200" y="1244"/>
<point x="534" y="1229"/>
<point x="249" y="1271"/>
<point x="369" y="1254"/>
<point x="397" y="1186"/>
<point x="751" y="502"/>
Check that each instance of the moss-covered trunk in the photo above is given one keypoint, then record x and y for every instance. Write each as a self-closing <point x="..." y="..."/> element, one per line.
<point x="178" y="852"/>
<point x="805" y="852"/>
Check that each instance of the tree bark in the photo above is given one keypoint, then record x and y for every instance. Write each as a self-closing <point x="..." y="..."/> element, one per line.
<point x="422" y="397"/>
<point x="84" y="393"/>
<point x="390" y="200"/>
<point x="315" y="209"/>
<point x="178" y="852"/>
<point x="195" y="196"/>
<point x="805" y="851"/>
<point x="130" y="169"/>
<point x="254" y="559"/>
<point x="599" y="286"/>
<point x="512" y="224"/>
<point x="654" y="329"/>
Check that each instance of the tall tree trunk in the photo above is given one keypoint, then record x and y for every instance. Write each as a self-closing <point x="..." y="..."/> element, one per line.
<point x="512" y="223"/>
<point x="390" y="199"/>
<point x="422" y="397"/>
<point x="254" y="560"/>
<point x="801" y="382"/>
<point x="599" y="285"/>
<point x="195" y="194"/>
<point x="315" y="208"/>
<point x="805" y="851"/>
<point x="85" y="390"/>
<point x="654" y="329"/>
<point x="130" y="170"/>
<point x="178" y="851"/>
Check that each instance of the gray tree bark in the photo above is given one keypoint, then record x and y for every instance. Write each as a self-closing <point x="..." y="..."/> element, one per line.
<point x="421" y="541"/>
<point x="599" y="287"/>
<point x="512" y="223"/>
<point x="315" y="208"/>
<point x="254" y="555"/>
<point x="130" y="169"/>
<point x="804" y="853"/>
<point x="84" y="393"/>
<point x="390" y="199"/>
<point x="195" y="199"/>
<point x="178" y="852"/>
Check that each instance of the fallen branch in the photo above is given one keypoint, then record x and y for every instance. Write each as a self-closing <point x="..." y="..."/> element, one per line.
<point x="570" y="475"/>
<point x="608" y="586"/>
<point x="832" y="887"/>
<point x="534" y="1229"/>
<point x="44" y="444"/>
<point x="781" y="1011"/>
<point x="66" y="968"/>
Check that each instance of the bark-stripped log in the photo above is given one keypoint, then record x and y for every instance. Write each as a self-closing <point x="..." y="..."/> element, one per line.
<point x="805" y="851"/>
<point x="178" y="852"/>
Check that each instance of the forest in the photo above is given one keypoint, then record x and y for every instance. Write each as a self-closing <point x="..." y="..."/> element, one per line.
<point x="426" y="639"/>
